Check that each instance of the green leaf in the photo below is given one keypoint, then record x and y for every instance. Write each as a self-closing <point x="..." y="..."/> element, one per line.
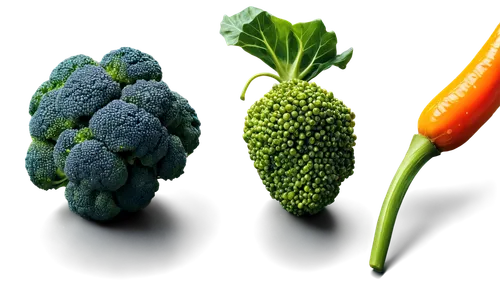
<point x="298" y="51"/>
<point x="319" y="48"/>
<point x="342" y="59"/>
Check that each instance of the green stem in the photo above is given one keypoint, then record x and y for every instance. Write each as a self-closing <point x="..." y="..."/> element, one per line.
<point x="242" y="97"/>
<point x="421" y="150"/>
<point x="295" y="68"/>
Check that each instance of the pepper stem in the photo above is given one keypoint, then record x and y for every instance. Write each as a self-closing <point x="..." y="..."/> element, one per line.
<point x="242" y="97"/>
<point x="421" y="150"/>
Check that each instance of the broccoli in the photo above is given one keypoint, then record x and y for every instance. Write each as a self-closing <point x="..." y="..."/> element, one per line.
<point x="87" y="90"/>
<point x="91" y="164"/>
<point x="41" y="167"/>
<point x="56" y="78"/>
<point x="139" y="190"/>
<point x="299" y="135"/>
<point x="172" y="165"/>
<point x="91" y="204"/>
<point x="124" y="127"/>
<point x="127" y="65"/>
<point x="300" y="138"/>
<point x="185" y="125"/>
<point x="47" y="122"/>
<point x="108" y="131"/>
<point x="67" y="140"/>
<point x="153" y="96"/>
<point x="172" y="109"/>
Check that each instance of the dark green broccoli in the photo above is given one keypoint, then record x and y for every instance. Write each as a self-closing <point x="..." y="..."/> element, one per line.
<point x="67" y="140"/>
<point x="48" y="121"/>
<point x="127" y="65"/>
<point x="172" y="109"/>
<point x="41" y="168"/>
<point x="172" y="165"/>
<point x="91" y="204"/>
<point x="100" y="130"/>
<point x="139" y="190"/>
<point x="124" y="127"/>
<point x="91" y="164"/>
<point x="153" y="96"/>
<point x="185" y="124"/>
<point x="87" y="90"/>
<point x="58" y="77"/>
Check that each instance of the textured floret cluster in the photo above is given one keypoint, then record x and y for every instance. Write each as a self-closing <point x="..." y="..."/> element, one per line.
<point x="107" y="131"/>
<point x="301" y="141"/>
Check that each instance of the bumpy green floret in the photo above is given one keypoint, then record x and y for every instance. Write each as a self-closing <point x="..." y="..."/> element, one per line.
<point x="48" y="121"/>
<point x="185" y="124"/>
<point x="58" y="78"/>
<point x="139" y="190"/>
<point x="123" y="127"/>
<point x="67" y="140"/>
<point x="87" y="90"/>
<point x="153" y="96"/>
<point x="91" y="204"/>
<point x="301" y="141"/>
<point x="91" y="165"/>
<point x="172" y="165"/>
<point x="41" y="168"/>
<point x="127" y="65"/>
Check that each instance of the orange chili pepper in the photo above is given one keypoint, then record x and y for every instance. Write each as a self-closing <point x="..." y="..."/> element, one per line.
<point x="447" y="122"/>
<point x="458" y="111"/>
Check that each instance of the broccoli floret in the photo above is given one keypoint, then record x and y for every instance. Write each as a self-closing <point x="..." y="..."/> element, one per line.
<point x="127" y="65"/>
<point x="41" y="168"/>
<point x="124" y="127"/>
<point x="91" y="164"/>
<point x="45" y="88"/>
<point x="158" y="152"/>
<point x="91" y="204"/>
<point x="58" y="77"/>
<point x="172" y="165"/>
<point x="185" y="124"/>
<point x="67" y="140"/>
<point x="139" y="190"/>
<point x="48" y="121"/>
<point x="153" y="96"/>
<point x="301" y="139"/>
<point x="87" y="90"/>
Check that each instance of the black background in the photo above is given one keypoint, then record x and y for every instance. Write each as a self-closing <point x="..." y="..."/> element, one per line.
<point x="449" y="233"/>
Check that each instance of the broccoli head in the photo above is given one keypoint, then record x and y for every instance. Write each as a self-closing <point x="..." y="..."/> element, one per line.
<point x="153" y="96"/>
<point x="41" y="168"/>
<point x="124" y="127"/>
<point x="67" y="140"/>
<point x="86" y="91"/>
<point x="58" y="77"/>
<point x="301" y="140"/>
<point x="171" y="108"/>
<point x="139" y="190"/>
<point x="48" y="122"/>
<point x="127" y="64"/>
<point x="185" y="124"/>
<point x="91" y="164"/>
<point x="172" y="165"/>
<point x="108" y="131"/>
<point x="91" y="204"/>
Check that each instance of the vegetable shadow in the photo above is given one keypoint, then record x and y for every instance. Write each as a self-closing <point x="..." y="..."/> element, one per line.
<point x="143" y="240"/>
<point x="327" y="235"/>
